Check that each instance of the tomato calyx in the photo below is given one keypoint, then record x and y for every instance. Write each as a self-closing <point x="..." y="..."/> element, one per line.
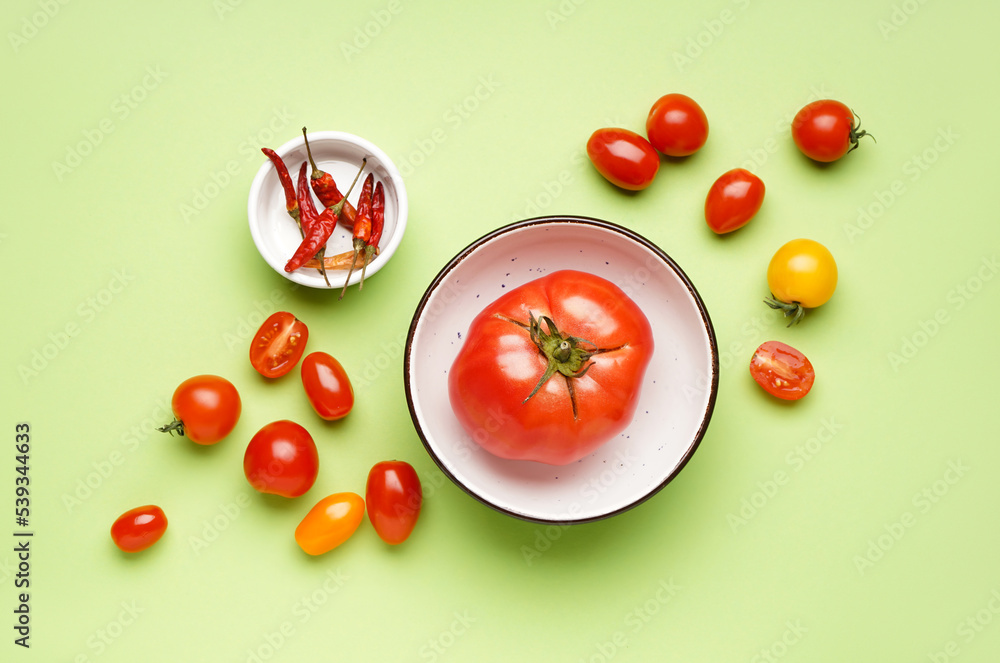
<point x="794" y="309"/>
<point x="565" y="354"/>
<point x="175" y="426"/>
<point x="856" y="133"/>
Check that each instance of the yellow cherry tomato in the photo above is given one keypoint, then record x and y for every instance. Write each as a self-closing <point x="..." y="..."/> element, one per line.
<point x="331" y="522"/>
<point x="802" y="274"/>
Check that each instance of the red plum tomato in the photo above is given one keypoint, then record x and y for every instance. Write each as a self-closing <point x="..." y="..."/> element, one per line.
<point x="278" y="344"/>
<point x="281" y="459"/>
<point x="733" y="200"/>
<point x="327" y="386"/>
<point x="782" y="371"/>
<point x="206" y="409"/>
<point x="139" y="528"/>
<point x="623" y="157"/>
<point x="394" y="497"/>
<point x="551" y="370"/>
<point x="676" y="125"/>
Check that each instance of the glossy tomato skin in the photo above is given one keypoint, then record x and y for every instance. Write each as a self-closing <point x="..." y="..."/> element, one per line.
<point x="139" y="528"/>
<point x="208" y="407"/>
<point x="498" y="366"/>
<point x="278" y="345"/>
<point x="394" y="497"/>
<point x="623" y="157"/>
<point x="281" y="459"/>
<point x="825" y="130"/>
<point x="802" y="271"/>
<point x="782" y="370"/>
<point x="327" y="386"/>
<point x="733" y="200"/>
<point x="330" y="523"/>
<point x="677" y="125"/>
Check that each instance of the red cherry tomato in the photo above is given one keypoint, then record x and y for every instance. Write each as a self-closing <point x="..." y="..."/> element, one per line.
<point x="278" y="344"/>
<point x="206" y="408"/>
<point x="552" y="370"/>
<point x="281" y="459"/>
<point x="327" y="386"/>
<point x="677" y="125"/>
<point x="139" y="528"/>
<point x="394" y="497"/>
<point x="825" y="130"/>
<point x="331" y="522"/>
<point x="782" y="371"/>
<point x="624" y="157"/>
<point x="733" y="200"/>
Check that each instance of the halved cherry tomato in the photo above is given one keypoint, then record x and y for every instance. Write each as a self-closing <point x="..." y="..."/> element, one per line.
<point x="676" y="125"/>
<point x="331" y="522"/>
<point x="802" y="274"/>
<point x="733" y="200"/>
<point x="625" y="158"/>
<point x="327" y="386"/>
<point x="394" y="497"/>
<point x="281" y="459"/>
<point x="278" y="344"/>
<point x="825" y="130"/>
<point x="139" y="528"/>
<point x="782" y="370"/>
<point x="206" y="408"/>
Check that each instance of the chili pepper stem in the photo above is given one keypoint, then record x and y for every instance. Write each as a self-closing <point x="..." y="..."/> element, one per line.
<point x="368" y="257"/>
<point x="359" y="244"/>
<point x="321" y="256"/>
<point x="370" y="252"/>
<point x="316" y="173"/>
<point x="339" y="207"/>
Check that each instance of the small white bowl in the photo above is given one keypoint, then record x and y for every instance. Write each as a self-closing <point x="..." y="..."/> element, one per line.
<point x="340" y="154"/>
<point x="678" y="393"/>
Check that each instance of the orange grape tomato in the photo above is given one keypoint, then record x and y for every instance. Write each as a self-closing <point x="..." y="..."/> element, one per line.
<point x="331" y="522"/>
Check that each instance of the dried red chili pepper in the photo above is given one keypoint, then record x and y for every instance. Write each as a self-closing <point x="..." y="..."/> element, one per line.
<point x="378" y="223"/>
<point x="322" y="228"/>
<point x="362" y="226"/>
<point x="339" y="261"/>
<point x="291" y="202"/>
<point x="326" y="189"/>
<point x="308" y="214"/>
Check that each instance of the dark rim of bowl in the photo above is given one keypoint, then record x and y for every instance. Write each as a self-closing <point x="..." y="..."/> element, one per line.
<point x="548" y="220"/>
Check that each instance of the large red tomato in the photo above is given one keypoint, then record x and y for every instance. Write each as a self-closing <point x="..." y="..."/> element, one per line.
<point x="552" y="370"/>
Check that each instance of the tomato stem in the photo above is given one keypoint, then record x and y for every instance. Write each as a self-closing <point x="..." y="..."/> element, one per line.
<point x="563" y="353"/>
<point x="857" y="132"/>
<point x="175" y="426"/>
<point x="793" y="309"/>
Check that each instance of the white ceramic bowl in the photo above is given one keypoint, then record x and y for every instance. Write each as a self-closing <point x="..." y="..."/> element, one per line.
<point x="340" y="154"/>
<point x="678" y="393"/>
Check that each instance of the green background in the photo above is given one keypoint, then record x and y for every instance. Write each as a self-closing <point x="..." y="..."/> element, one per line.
<point x="798" y="532"/>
